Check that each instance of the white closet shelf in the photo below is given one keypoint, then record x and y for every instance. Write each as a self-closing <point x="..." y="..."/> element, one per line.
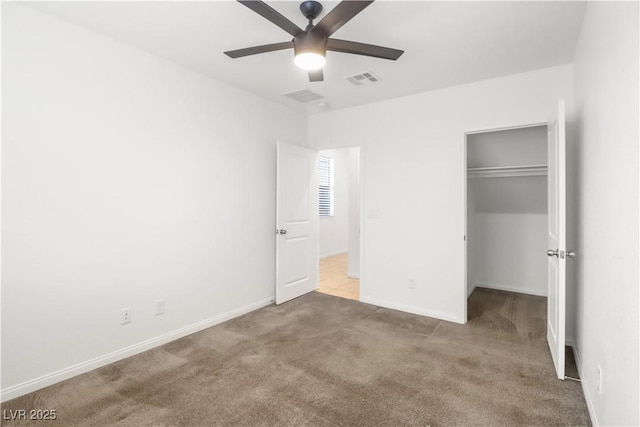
<point x="507" y="171"/>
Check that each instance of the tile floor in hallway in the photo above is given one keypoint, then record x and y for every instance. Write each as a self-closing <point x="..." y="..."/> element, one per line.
<point x="334" y="280"/>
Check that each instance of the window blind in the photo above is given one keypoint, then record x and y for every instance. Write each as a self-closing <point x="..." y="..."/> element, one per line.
<point x="325" y="186"/>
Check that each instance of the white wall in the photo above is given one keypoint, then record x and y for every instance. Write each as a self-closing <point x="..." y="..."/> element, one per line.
<point x="510" y="147"/>
<point x="507" y="234"/>
<point x="334" y="230"/>
<point x="125" y="179"/>
<point x="606" y="78"/>
<point x="413" y="172"/>
<point x="507" y="216"/>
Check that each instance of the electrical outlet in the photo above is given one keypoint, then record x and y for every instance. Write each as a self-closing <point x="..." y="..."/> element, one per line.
<point x="159" y="307"/>
<point x="599" y="380"/>
<point x="125" y="315"/>
<point x="412" y="283"/>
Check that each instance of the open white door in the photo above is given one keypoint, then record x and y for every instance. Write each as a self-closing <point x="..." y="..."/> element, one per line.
<point x="556" y="238"/>
<point x="296" y="222"/>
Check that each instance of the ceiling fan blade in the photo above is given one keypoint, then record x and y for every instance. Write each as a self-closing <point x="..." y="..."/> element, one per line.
<point x="346" y="46"/>
<point x="316" y="75"/>
<point x="258" y="49"/>
<point x="270" y="14"/>
<point x="340" y="15"/>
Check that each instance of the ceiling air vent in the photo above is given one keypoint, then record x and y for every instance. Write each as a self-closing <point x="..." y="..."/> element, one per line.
<point x="304" y="95"/>
<point x="363" y="78"/>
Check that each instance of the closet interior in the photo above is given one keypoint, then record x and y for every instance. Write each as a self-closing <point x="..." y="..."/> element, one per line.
<point x="507" y="210"/>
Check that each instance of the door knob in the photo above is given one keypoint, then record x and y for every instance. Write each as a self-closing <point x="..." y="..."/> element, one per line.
<point x="551" y="252"/>
<point x="283" y="231"/>
<point x="571" y="254"/>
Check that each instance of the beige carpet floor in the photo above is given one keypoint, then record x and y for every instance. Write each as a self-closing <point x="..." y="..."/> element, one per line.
<point x="328" y="361"/>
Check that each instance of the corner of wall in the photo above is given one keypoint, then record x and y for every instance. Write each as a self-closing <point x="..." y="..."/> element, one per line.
<point x="583" y="382"/>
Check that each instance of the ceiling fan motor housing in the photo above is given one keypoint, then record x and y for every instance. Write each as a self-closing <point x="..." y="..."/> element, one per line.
<point x="310" y="42"/>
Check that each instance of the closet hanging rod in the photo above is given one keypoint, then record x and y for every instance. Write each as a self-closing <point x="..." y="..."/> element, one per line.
<point x="507" y="171"/>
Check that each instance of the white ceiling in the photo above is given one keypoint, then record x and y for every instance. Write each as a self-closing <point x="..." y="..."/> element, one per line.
<point x="445" y="43"/>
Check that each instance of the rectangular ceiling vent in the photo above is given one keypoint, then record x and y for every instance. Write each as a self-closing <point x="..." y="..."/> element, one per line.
<point x="363" y="78"/>
<point x="304" y="95"/>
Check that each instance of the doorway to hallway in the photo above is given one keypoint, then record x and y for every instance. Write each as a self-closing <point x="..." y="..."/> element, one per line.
<point x="334" y="279"/>
<point x="340" y="216"/>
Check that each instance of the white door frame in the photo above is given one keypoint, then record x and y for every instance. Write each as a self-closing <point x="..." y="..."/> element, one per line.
<point x="464" y="193"/>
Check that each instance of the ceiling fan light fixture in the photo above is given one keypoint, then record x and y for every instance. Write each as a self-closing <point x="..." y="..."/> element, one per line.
<point x="310" y="49"/>
<point x="309" y="60"/>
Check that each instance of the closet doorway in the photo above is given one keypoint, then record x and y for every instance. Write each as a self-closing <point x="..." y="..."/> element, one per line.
<point x="507" y="217"/>
<point x="339" y="232"/>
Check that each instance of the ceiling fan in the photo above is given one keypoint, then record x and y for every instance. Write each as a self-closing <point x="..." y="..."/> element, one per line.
<point x="311" y="44"/>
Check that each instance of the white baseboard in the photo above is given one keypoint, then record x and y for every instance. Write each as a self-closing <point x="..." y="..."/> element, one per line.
<point x="353" y="274"/>
<point x="106" y="359"/>
<point x="411" y="309"/>
<point x="333" y="253"/>
<point x="583" y="382"/>
<point x="502" y="287"/>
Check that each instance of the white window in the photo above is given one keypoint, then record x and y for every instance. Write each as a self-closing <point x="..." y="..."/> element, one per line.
<point x="325" y="186"/>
